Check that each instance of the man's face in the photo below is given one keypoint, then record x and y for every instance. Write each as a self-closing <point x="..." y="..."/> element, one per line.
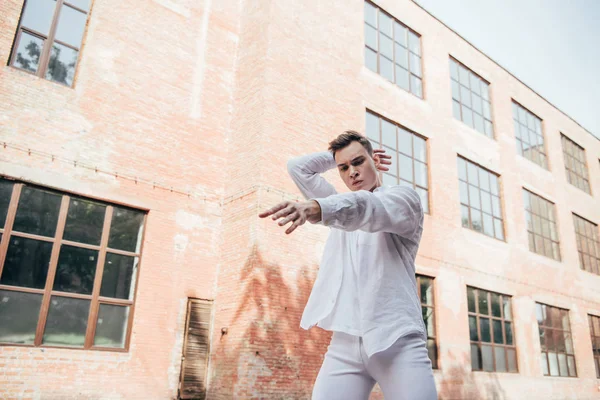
<point x="357" y="168"/>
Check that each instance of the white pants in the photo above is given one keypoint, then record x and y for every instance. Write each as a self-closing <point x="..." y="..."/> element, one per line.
<point x="403" y="371"/>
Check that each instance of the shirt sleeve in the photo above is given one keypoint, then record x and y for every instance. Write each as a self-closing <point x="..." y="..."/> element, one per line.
<point x="306" y="173"/>
<point x="396" y="210"/>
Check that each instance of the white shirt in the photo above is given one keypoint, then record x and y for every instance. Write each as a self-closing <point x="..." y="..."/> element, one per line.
<point x="375" y="237"/>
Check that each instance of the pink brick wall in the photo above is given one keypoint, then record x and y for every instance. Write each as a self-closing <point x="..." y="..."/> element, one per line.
<point x="212" y="98"/>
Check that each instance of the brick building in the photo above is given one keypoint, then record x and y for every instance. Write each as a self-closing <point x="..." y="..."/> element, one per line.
<point x="138" y="149"/>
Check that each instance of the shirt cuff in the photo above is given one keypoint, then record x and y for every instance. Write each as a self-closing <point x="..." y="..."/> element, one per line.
<point x="327" y="210"/>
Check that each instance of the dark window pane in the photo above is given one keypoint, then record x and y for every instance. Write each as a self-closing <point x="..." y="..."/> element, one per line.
<point x="487" y="358"/>
<point x="429" y="322"/>
<point x="118" y="277"/>
<point x="572" y="369"/>
<point x="76" y="270"/>
<point x="6" y="188"/>
<point x="126" y="230"/>
<point x="111" y="327"/>
<point x="473" y="328"/>
<point x="512" y="360"/>
<point x="19" y="314"/>
<point x="496" y="305"/>
<point x="37" y="212"/>
<point x="426" y="291"/>
<point x="38" y="15"/>
<point x="61" y="67"/>
<point x="27" y="262"/>
<point x="67" y="322"/>
<point x="500" y="359"/>
<point x="71" y="25"/>
<point x="471" y="299"/>
<point x="485" y="330"/>
<point x="497" y="325"/>
<point x="509" y="334"/>
<point x="475" y="357"/>
<point x="482" y="296"/>
<point x="84" y="221"/>
<point x="432" y="352"/>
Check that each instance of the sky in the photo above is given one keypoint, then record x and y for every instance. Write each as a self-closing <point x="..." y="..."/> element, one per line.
<point x="553" y="46"/>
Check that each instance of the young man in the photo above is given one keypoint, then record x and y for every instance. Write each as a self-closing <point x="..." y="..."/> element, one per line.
<point x="365" y="291"/>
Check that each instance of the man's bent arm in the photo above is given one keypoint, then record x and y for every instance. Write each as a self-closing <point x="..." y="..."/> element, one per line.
<point x="306" y="174"/>
<point x="398" y="210"/>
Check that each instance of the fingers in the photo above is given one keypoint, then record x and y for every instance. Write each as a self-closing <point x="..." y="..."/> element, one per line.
<point x="291" y="217"/>
<point x="273" y="210"/>
<point x="293" y="227"/>
<point x="283" y="213"/>
<point x="383" y="168"/>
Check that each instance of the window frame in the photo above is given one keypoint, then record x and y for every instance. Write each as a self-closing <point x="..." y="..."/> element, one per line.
<point x="519" y="140"/>
<point x="398" y="153"/>
<point x="564" y="139"/>
<point x="583" y="236"/>
<point x="433" y="316"/>
<point x="460" y="103"/>
<point x="48" y="292"/>
<point x="595" y="337"/>
<point x="552" y="329"/>
<point x="555" y="222"/>
<point x="479" y="188"/>
<point x="491" y="318"/>
<point x="49" y="39"/>
<point x="409" y="51"/>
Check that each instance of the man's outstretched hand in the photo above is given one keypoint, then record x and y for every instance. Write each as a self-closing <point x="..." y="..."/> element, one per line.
<point x="296" y="212"/>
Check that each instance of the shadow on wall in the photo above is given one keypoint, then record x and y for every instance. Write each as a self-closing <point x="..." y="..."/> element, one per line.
<point x="458" y="383"/>
<point x="273" y="357"/>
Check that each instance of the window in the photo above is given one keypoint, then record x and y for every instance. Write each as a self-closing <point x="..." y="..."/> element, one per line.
<point x="480" y="199"/>
<point x="49" y="38"/>
<point x="491" y="331"/>
<point x="408" y="151"/>
<point x="471" y="98"/>
<point x="558" y="358"/>
<point x="541" y="225"/>
<point x="530" y="139"/>
<point x="425" y="289"/>
<point x="595" y="334"/>
<point x="393" y="50"/>
<point x="588" y="244"/>
<point x="68" y="269"/>
<point x="575" y="165"/>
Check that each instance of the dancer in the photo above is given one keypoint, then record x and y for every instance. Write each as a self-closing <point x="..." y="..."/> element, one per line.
<point x="365" y="291"/>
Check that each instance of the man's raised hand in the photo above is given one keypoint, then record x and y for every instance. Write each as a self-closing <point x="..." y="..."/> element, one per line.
<point x="384" y="159"/>
<point x="296" y="212"/>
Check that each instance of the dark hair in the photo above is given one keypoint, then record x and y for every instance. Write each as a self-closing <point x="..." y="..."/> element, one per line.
<point x="348" y="137"/>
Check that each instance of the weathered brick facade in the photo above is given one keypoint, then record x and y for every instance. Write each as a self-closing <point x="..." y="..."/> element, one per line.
<point x="191" y="109"/>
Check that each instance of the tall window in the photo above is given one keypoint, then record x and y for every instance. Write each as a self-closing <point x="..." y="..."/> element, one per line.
<point x="595" y="334"/>
<point x="541" y="225"/>
<point x="408" y="151"/>
<point x="575" y="164"/>
<point x="480" y="199"/>
<point x="588" y="244"/>
<point x="491" y="331"/>
<point x="393" y="50"/>
<point x="49" y="38"/>
<point x="68" y="268"/>
<point x="471" y="98"/>
<point x="425" y="288"/>
<point x="530" y="139"/>
<point x="558" y="357"/>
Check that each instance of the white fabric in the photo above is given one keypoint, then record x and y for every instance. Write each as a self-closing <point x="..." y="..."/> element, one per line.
<point x="403" y="371"/>
<point x="375" y="234"/>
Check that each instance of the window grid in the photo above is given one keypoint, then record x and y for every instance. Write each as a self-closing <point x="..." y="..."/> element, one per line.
<point x="471" y="98"/>
<point x="481" y="208"/>
<point x="529" y="135"/>
<point x="575" y="164"/>
<point x="541" y="225"/>
<point x="393" y="50"/>
<point x="10" y="195"/>
<point x="425" y="292"/>
<point x="408" y="151"/>
<point x="588" y="244"/>
<point x="595" y="335"/>
<point x="557" y="356"/>
<point x="491" y="331"/>
<point x="46" y="62"/>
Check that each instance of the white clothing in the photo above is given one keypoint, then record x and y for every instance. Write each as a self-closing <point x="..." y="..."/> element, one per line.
<point x="403" y="371"/>
<point x="376" y="235"/>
